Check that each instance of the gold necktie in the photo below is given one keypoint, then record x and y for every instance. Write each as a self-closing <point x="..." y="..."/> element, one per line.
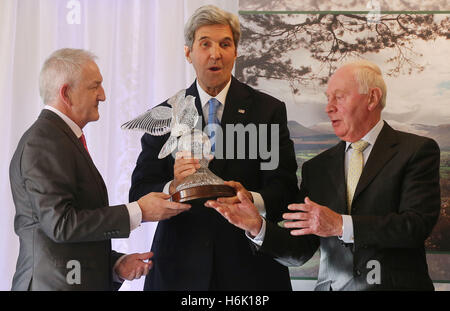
<point x="355" y="167"/>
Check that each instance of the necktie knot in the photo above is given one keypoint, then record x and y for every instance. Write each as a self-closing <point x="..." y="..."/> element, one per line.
<point x="83" y="141"/>
<point x="360" y="145"/>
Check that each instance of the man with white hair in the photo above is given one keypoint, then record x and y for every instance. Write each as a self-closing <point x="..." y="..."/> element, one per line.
<point x="63" y="220"/>
<point x="369" y="202"/>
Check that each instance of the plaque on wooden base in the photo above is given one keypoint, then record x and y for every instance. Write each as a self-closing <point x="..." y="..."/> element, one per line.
<point x="203" y="192"/>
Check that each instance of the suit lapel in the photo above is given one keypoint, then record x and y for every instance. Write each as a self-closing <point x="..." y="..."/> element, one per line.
<point x="382" y="152"/>
<point x="236" y="110"/>
<point x="55" y="119"/>
<point x="237" y="105"/>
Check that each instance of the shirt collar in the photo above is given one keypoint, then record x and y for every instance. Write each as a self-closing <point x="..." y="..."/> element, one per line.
<point x="73" y="126"/>
<point x="371" y="136"/>
<point x="205" y="97"/>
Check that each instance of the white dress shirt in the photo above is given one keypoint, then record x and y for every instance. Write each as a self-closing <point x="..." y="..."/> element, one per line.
<point x="221" y="97"/>
<point x="347" y="223"/>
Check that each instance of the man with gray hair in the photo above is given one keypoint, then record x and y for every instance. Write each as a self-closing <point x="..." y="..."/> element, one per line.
<point x="199" y="250"/>
<point x="369" y="202"/>
<point x="63" y="220"/>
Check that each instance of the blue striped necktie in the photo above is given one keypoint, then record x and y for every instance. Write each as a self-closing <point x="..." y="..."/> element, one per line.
<point x="213" y="122"/>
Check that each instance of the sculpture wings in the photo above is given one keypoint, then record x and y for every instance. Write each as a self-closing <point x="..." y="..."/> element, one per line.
<point x="178" y="119"/>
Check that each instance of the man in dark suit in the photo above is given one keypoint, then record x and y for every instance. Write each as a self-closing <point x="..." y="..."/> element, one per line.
<point x="368" y="208"/>
<point x="199" y="250"/>
<point x="63" y="220"/>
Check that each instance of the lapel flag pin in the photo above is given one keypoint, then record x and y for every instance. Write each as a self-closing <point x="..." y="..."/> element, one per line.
<point x="241" y="111"/>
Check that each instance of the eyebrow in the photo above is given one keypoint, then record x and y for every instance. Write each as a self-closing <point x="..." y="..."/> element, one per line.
<point x="208" y="38"/>
<point x="96" y="82"/>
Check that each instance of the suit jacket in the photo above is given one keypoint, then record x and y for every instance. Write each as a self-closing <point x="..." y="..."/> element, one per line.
<point x="199" y="249"/>
<point x="62" y="212"/>
<point x="395" y="206"/>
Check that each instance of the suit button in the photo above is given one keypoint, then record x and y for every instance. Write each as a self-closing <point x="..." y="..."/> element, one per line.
<point x="358" y="272"/>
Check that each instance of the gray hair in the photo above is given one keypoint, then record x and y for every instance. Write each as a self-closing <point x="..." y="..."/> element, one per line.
<point x="61" y="67"/>
<point x="211" y="15"/>
<point x="368" y="75"/>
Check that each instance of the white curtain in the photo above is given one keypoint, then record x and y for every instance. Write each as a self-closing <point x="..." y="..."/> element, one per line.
<point x="140" y="48"/>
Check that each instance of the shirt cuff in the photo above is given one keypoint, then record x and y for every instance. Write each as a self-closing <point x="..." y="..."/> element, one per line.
<point x="347" y="229"/>
<point x="166" y="189"/>
<point x="135" y="215"/>
<point x="258" y="201"/>
<point x="116" y="277"/>
<point x="259" y="239"/>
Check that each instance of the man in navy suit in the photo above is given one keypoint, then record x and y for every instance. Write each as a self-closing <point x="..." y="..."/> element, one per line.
<point x="369" y="202"/>
<point x="199" y="250"/>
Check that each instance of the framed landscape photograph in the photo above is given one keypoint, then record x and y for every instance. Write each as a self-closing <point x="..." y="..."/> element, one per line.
<point x="289" y="49"/>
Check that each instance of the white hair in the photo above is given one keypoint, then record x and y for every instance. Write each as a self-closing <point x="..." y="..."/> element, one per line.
<point x="368" y="75"/>
<point x="63" y="66"/>
<point x="211" y="15"/>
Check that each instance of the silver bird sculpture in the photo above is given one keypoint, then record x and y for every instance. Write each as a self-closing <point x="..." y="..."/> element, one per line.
<point x="179" y="119"/>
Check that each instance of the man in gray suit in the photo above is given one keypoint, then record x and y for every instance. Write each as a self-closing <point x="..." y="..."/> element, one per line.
<point x="369" y="202"/>
<point x="63" y="220"/>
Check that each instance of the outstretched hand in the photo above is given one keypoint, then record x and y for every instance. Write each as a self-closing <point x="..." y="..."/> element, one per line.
<point x="313" y="218"/>
<point x="242" y="214"/>
<point x="155" y="207"/>
<point x="237" y="186"/>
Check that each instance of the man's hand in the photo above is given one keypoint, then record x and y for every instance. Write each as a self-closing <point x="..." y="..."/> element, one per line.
<point x="133" y="266"/>
<point x="155" y="207"/>
<point x="184" y="166"/>
<point x="313" y="219"/>
<point x="238" y="188"/>
<point x="243" y="215"/>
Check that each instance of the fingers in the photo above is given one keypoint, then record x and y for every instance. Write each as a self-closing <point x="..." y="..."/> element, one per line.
<point x="243" y="198"/>
<point x="145" y="256"/>
<point x="219" y="207"/>
<point x="229" y="200"/>
<point x="185" y="165"/>
<point x="299" y="207"/>
<point x="302" y="224"/>
<point x="181" y="160"/>
<point x="238" y="187"/>
<point x="308" y="201"/>
<point x="295" y="216"/>
<point x="304" y="231"/>
<point x="183" y="155"/>
<point x="184" y="171"/>
<point x="160" y="195"/>
<point x="142" y="269"/>
<point x="234" y="184"/>
<point x="139" y="272"/>
<point x="176" y="206"/>
<point x="215" y="204"/>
